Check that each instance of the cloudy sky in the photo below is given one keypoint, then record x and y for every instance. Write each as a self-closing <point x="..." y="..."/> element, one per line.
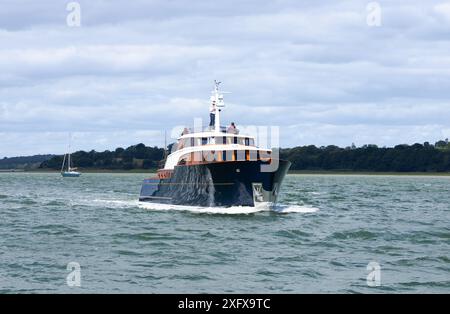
<point x="321" y="71"/>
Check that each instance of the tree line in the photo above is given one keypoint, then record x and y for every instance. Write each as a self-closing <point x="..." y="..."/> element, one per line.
<point x="134" y="157"/>
<point x="23" y="162"/>
<point x="424" y="157"/>
<point x="401" y="158"/>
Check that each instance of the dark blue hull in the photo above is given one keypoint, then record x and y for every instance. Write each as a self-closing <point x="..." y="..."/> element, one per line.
<point x="237" y="183"/>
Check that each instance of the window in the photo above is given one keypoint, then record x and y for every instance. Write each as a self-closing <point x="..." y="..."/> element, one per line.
<point x="240" y="155"/>
<point x="204" y="141"/>
<point x="247" y="141"/>
<point x="186" y="142"/>
<point x="182" y="143"/>
<point x="218" y="155"/>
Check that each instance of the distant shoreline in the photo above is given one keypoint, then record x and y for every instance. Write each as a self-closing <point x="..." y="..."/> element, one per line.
<point x="96" y="171"/>
<point x="12" y="170"/>
<point x="402" y="159"/>
<point x="299" y="172"/>
<point x="344" y="172"/>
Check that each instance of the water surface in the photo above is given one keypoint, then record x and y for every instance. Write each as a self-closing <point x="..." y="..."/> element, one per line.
<point x="321" y="238"/>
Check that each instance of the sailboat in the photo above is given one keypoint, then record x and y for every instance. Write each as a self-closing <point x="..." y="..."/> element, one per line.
<point x="70" y="171"/>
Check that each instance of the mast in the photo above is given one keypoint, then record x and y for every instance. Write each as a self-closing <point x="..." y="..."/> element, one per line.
<point x="64" y="161"/>
<point x="218" y="98"/>
<point x="162" y="162"/>
<point x="68" y="162"/>
<point x="165" y="146"/>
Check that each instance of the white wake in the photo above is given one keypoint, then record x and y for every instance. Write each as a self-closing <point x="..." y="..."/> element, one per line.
<point x="291" y="208"/>
<point x="233" y="210"/>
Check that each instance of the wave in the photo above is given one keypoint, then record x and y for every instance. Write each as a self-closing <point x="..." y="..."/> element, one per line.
<point x="198" y="209"/>
<point x="117" y="203"/>
<point x="291" y="208"/>
<point x="233" y="210"/>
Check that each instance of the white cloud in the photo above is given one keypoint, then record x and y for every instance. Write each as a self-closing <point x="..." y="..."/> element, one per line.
<point x="443" y="9"/>
<point x="316" y="69"/>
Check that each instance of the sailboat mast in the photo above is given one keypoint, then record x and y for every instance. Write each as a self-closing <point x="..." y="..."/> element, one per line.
<point x="165" y="145"/>
<point x="164" y="159"/>
<point x="64" y="161"/>
<point x="68" y="163"/>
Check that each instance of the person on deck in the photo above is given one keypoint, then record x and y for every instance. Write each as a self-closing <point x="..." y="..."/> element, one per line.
<point x="232" y="129"/>
<point x="185" y="131"/>
<point x="212" y="114"/>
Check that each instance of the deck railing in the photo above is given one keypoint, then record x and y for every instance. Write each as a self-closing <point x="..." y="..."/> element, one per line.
<point x="191" y="130"/>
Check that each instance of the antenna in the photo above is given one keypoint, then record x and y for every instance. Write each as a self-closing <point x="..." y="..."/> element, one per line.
<point x="165" y="144"/>
<point x="218" y="99"/>
<point x="165" y="150"/>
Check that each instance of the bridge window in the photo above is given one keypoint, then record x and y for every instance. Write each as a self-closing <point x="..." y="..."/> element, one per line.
<point x="240" y="155"/>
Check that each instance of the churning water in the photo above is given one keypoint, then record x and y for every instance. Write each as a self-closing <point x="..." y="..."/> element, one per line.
<point x="320" y="238"/>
